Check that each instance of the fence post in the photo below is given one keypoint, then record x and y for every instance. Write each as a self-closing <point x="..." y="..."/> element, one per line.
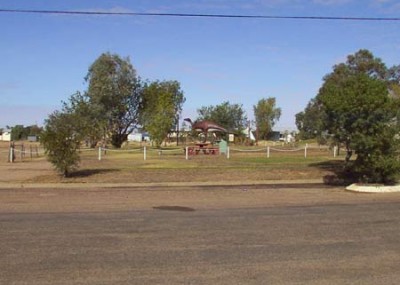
<point x="22" y="152"/>
<point x="305" y="151"/>
<point x="99" y="153"/>
<point x="267" y="151"/>
<point x="144" y="153"/>
<point x="187" y="152"/>
<point x="228" y="155"/>
<point x="11" y="156"/>
<point x="334" y="151"/>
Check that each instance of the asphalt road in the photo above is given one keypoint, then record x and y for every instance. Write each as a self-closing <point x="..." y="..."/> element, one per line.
<point x="321" y="243"/>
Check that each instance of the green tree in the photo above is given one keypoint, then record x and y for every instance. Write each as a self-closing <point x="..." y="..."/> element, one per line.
<point x="18" y="132"/>
<point x="393" y="79"/>
<point x="88" y="116"/>
<point x="34" y="130"/>
<point x="361" y="115"/>
<point x="363" y="62"/>
<point x="115" y="92"/>
<point x="230" y="116"/>
<point x="266" y="115"/>
<point x="61" y="139"/>
<point x="310" y="122"/>
<point x="161" y="108"/>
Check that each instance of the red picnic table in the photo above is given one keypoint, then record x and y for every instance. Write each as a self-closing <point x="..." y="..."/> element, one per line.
<point x="202" y="148"/>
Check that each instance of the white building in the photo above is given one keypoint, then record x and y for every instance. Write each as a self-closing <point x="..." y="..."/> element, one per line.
<point x="138" y="137"/>
<point x="5" y="136"/>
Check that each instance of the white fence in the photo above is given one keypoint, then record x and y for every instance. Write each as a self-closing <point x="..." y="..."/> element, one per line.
<point x="267" y="151"/>
<point x="19" y="152"/>
<point x="144" y="150"/>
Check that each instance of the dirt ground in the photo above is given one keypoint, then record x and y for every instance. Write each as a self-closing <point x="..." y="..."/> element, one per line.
<point x="178" y="198"/>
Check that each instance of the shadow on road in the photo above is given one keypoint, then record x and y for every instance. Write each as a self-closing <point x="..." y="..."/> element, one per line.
<point x="174" y="208"/>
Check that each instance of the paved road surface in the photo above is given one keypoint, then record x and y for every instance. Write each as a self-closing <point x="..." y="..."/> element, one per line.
<point x="350" y="241"/>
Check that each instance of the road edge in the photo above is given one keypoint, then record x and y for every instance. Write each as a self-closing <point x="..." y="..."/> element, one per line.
<point x="14" y="185"/>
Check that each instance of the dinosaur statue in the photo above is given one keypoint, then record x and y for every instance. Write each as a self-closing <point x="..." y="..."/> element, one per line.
<point x="205" y="127"/>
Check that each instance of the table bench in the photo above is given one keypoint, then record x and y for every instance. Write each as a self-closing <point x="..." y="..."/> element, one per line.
<point x="193" y="150"/>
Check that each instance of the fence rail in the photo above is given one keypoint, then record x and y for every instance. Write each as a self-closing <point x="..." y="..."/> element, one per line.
<point x="268" y="151"/>
<point x="21" y="152"/>
<point x="144" y="150"/>
<point x="15" y="152"/>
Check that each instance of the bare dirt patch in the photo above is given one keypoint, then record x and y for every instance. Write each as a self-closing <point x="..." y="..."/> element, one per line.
<point x="178" y="199"/>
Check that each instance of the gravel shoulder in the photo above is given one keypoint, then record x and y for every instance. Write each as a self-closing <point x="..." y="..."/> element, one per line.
<point x="98" y="199"/>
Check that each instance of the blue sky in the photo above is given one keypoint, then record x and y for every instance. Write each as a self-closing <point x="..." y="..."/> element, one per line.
<point x="46" y="57"/>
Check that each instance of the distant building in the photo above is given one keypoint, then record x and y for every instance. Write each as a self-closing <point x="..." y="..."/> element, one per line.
<point x="5" y="136"/>
<point x="288" y="138"/>
<point x="274" y="136"/>
<point x="282" y="137"/>
<point x="138" y="137"/>
<point x="32" y="138"/>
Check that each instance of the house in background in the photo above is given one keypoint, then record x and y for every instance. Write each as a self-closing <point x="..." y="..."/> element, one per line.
<point x="285" y="137"/>
<point x="138" y="137"/>
<point x="5" y="135"/>
<point x="288" y="138"/>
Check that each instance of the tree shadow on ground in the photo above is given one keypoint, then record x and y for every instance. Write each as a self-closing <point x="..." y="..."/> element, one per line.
<point x="82" y="173"/>
<point x="174" y="208"/>
<point x="341" y="175"/>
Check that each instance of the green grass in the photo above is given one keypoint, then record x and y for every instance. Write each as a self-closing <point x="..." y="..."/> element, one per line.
<point x="123" y="166"/>
<point x="175" y="159"/>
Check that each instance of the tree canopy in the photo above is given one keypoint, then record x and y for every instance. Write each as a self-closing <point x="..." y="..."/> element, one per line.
<point x="310" y="122"/>
<point x="266" y="115"/>
<point x="230" y="116"/>
<point x="88" y="117"/>
<point x="115" y="103"/>
<point x="20" y="132"/>
<point x="355" y="108"/>
<point x="161" y="108"/>
<point x="61" y="139"/>
<point x="115" y="93"/>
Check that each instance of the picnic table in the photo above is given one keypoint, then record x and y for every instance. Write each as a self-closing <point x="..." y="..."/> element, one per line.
<point x="203" y="148"/>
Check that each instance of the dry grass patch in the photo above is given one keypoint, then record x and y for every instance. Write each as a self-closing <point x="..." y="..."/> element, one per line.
<point x="171" y="166"/>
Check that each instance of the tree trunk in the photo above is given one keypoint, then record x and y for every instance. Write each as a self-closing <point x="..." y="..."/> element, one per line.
<point x="349" y="153"/>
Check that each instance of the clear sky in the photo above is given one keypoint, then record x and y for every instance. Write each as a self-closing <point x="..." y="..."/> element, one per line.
<point x="44" y="58"/>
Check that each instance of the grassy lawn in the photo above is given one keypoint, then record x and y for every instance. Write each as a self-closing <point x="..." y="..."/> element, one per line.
<point x="128" y="165"/>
